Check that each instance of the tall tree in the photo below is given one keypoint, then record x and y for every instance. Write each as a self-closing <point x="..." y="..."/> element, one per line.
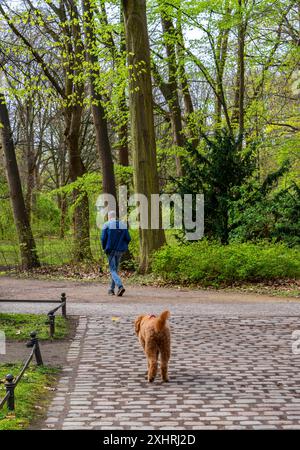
<point x="100" y="122"/>
<point x="239" y="111"/>
<point x="28" y="252"/>
<point x="117" y="53"/>
<point x="170" y="88"/>
<point x="71" y="94"/>
<point x="141" y="117"/>
<point x="184" y="82"/>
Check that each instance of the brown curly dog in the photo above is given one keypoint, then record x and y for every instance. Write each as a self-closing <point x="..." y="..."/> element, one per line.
<point x="154" y="335"/>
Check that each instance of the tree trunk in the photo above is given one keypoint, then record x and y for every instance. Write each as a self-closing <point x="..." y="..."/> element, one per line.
<point x="29" y="255"/>
<point x="220" y="61"/>
<point x="72" y="66"/>
<point x="73" y="112"/>
<point x="61" y="202"/>
<point x="141" y="117"/>
<point x="117" y="54"/>
<point x="100" y="122"/>
<point x="169" y="88"/>
<point x="173" y="101"/>
<point x="61" y="181"/>
<point x="30" y="156"/>
<point x="185" y="90"/>
<point x="123" y="131"/>
<point x="241" y="75"/>
<point x="123" y="146"/>
<point x="238" y="110"/>
<point x="82" y="249"/>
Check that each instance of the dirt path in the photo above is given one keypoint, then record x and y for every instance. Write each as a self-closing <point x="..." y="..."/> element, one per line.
<point x="91" y="299"/>
<point x="93" y="292"/>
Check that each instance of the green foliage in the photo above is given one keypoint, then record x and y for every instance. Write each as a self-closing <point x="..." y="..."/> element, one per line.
<point x="216" y="170"/>
<point x="239" y="206"/>
<point x="249" y="193"/>
<point x="208" y="263"/>
<point x="275" y="216"/>
<point x="46" y="216"/>
<point x="7" y="226"/>
<point x="89" y="183"/>
<point x="279" y="148"/>
<point x="134" y="245"/>
<point x="124" y="175"/>
<point x="51" y="250"/>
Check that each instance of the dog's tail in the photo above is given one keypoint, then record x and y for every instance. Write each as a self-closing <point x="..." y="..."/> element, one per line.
<point x="161" y="320"/>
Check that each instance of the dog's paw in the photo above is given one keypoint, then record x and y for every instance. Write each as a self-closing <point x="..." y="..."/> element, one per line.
<point x="150" y="380"/>
<point x="166" y="380"/>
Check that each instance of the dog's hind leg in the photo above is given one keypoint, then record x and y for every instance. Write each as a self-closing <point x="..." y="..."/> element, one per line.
<point x="152" y="369"/>
<point x="152" y="363"/>
<point x="164" y="360"/>
<point x="142" y="341"/>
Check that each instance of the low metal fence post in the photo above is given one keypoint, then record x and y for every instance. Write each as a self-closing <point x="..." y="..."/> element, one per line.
<point x="10" y="388"/>
<point x="63" y="299"/>
<point x="51" y="323"/>
<point x="34" y="342"/>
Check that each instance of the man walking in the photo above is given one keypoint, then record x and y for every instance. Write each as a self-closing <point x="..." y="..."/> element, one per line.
<point x="115" y="239"/>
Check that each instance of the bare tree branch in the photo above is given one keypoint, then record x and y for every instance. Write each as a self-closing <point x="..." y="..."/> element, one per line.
<point x="37" y="56"/>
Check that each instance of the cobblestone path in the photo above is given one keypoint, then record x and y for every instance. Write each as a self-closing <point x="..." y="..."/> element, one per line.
<point x="224" y="373"/>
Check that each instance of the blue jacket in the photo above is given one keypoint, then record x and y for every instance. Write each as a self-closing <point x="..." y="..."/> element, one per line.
<point x="115" y="236"/>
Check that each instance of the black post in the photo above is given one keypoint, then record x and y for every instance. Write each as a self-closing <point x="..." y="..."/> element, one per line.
<point x="34" y="342"/>
<point x="51" y="322"/>
<point x="63" y="299"/>
<point x="10" y="387"/>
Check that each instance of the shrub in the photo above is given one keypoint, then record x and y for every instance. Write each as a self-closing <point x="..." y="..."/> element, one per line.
<point x="46" y="217"/>
<point x="211" y="263"/>
<point x="275" y="217"/>
<point x="7" y="225"/>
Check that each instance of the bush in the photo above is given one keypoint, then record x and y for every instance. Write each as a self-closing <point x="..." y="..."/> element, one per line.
<point x="46" y="217"/>
<point x="7" y="225"/>
<point x="213" y="264"/>
<point x="275" y="217"/>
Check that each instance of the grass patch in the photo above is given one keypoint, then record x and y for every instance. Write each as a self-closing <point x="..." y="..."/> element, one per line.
<point x="19" y="326"/>
<point x="31" y="395"/>
<point x="51" y="251"/>
<point x="58" y="252"/>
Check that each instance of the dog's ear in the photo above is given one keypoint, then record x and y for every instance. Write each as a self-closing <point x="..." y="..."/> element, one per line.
<point x="137" y="324"/>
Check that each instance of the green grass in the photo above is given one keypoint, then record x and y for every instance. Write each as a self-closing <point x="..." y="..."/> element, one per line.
<point x="55" y="251"/>
<point x="31" y="395"/>
<point x="51" y="250"/>
<point x="19" y="326"/>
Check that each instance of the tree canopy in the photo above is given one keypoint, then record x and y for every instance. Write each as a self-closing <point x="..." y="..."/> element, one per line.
<point x="163" y="96"/>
